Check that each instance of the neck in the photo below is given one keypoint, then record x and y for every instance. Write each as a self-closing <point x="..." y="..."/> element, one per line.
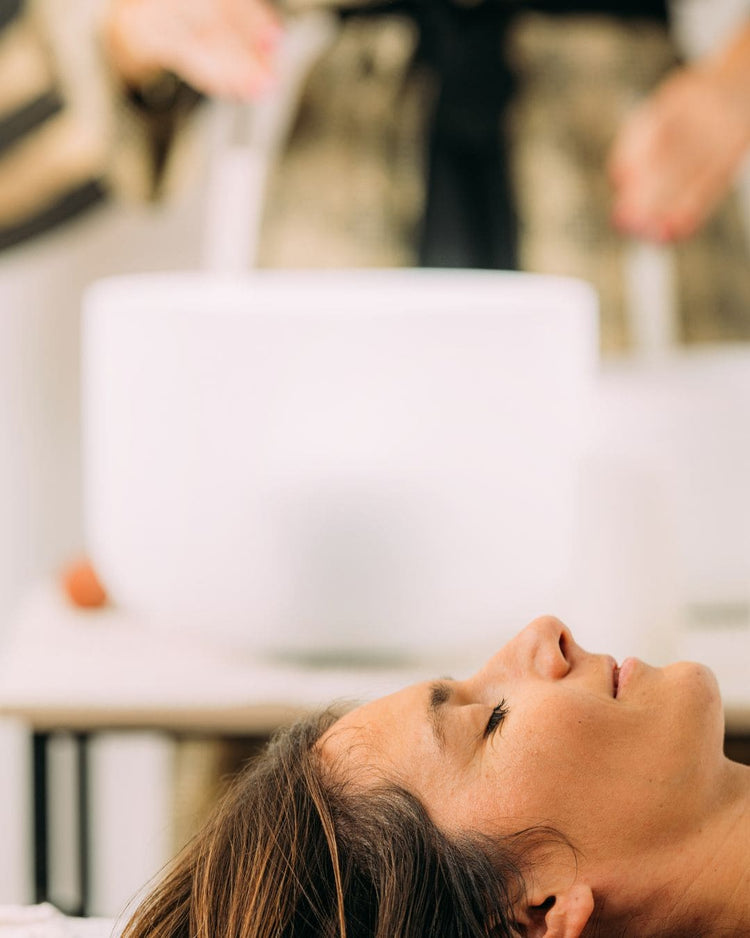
<point x="711" y="894"/>
<point x="703" y="879"/>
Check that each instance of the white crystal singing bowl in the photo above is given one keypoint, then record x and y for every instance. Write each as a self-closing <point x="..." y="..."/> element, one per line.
<point x="334" y="462"/>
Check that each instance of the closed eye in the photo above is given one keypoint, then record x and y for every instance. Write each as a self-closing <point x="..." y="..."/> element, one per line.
<point x="499" y="713"/>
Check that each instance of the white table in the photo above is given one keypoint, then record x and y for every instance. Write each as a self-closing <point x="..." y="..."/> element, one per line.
<point x="65" y="668"/>
<point x="79" y="670"/>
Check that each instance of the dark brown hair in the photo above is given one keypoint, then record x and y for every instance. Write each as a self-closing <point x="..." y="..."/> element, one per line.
<point x="293" y="851"/>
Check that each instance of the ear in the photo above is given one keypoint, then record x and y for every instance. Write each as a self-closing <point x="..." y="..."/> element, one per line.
<point x="560" y="916"/>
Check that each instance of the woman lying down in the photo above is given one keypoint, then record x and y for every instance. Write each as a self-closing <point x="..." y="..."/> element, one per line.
<point x="552" y="793"/>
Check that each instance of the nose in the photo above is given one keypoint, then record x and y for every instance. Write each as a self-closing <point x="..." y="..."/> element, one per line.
<point x="549" y="645"/>
<point x="544" y="649"/>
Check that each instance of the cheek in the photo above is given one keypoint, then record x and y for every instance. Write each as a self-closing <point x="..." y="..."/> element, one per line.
<point x="601" y="772"/>
<point x="555" y="761"/>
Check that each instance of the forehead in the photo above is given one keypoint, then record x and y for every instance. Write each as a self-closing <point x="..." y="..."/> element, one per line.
<point x="384" y="735"/>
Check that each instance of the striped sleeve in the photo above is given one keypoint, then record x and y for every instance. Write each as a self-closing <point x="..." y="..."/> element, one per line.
<point x="70" y="134"/>
<point x="51" y="167"/>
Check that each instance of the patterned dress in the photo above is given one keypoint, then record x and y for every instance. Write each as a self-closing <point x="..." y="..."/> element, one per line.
<point x="476" y="134"/>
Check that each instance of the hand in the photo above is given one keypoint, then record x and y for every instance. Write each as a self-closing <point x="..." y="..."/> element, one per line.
<point x="677" y="154"/>
<point x="220" y="47"/>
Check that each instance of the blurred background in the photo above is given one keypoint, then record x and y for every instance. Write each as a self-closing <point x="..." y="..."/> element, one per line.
<point x="146" y="136"/>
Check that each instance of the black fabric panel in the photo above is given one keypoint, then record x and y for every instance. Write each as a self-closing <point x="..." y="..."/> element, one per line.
<point x="625" y="9"/>
<point x="18" y="124"/>
<point x="470" y="214"/>
<point x="69" y="205"/>
<point x="422" y="9"/>
<point x="9" y="10"/>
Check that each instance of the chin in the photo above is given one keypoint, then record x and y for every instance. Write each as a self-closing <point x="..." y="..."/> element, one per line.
<point x="700" y="696"/>
<point x="696" y="674"/>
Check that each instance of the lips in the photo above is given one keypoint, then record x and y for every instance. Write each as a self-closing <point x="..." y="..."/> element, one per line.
<point x="625" y="672"/>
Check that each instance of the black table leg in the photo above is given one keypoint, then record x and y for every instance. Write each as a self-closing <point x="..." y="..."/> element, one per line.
<point x="41" y="816"/>
<point x="84" y="857"/>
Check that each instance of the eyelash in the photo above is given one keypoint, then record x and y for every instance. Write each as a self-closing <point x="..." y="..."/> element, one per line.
<point x="499" y="713"/>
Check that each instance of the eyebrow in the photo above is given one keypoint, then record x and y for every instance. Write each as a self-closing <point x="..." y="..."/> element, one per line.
<point x="439" y="693"/>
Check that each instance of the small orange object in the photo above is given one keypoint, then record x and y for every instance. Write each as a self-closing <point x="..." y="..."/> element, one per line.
<point x="82" y="587"/>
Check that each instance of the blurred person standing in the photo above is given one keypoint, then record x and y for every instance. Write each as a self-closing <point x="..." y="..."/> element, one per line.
<point x="533" y="134"/>
<point x="538" y="135"/>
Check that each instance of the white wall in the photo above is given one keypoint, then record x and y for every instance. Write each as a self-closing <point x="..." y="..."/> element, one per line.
<point x="15" y="813"/>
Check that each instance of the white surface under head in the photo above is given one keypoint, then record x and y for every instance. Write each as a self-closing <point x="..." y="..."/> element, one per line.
<point x="322" y="461"/>
<point x="44" y="921"/>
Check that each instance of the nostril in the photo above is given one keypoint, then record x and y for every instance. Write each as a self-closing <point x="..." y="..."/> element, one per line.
<point x="566" y="645"/>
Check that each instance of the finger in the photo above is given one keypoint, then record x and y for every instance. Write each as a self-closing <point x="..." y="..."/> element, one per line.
<point x="675" y="157"/>
<point x="244" y="53"/>
<point x="676" y="189"/>
<point x="256" y="22"/>
<point x="663" y="162"/>
<point x="634" y="144"/>
<point x="696" y="202"/>
<point x="197" y="40"/>
<point x="220" y="65"/>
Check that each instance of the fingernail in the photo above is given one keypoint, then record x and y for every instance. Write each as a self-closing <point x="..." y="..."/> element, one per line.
<point x="664" y="231"/>
<point x="268" y="37"/>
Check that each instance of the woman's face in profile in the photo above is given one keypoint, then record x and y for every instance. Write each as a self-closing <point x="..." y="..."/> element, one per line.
<point x="545" y="733"/>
